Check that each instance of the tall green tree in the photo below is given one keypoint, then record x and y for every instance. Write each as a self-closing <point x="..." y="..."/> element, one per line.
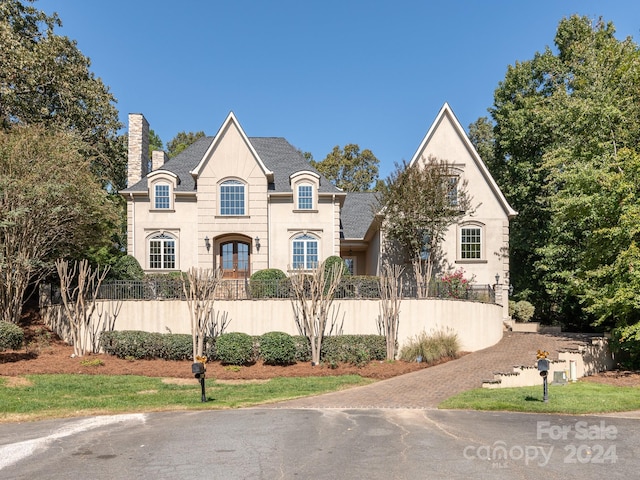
<point x="567" y="127"/>
<point x="350" y="169"/>
<point x="51" y="206"/>
<point x="181" y="141"/>
<point x="45" y="79"/>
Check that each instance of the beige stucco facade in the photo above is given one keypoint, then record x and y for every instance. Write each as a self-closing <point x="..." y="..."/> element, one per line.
<point x="272" y="175"/>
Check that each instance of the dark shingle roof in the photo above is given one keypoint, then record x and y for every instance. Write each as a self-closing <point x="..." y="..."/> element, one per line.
<point x="278" y="155"/>
<point x="357" y="214"/>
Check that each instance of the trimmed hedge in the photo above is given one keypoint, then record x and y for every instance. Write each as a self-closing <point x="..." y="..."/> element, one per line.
<point x="11" y="336"/>
<point x="277" y="348"/>
<point x="146" y="345"/>
<point x="235" y="348"/>
<point x="354" y="349"/>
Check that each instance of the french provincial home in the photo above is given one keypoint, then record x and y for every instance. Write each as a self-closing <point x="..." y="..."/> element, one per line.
<point x="244" y="204"/>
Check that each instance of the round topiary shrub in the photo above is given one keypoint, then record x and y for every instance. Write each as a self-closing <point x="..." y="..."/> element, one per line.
<point x="11" y="336"/>
<point x="277" y="348"/>
<point x="128" y="268"/>
<point x="523" y="311"/>
<point x="267" y="283"/>
<point x="235" y="348"/>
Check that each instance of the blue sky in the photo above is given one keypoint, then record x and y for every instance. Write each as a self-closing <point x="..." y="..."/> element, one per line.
<point x="319" y="73"/>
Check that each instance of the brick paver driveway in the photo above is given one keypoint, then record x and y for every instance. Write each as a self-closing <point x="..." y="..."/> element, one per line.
<point x="427" y="388"/>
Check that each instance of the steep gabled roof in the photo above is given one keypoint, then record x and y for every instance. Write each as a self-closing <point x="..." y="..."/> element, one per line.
<point x="446" y="111"/>
<point x="277" y="158"/>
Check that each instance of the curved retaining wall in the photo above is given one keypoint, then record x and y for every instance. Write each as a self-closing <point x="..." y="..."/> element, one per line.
<point x="478" y="325"/>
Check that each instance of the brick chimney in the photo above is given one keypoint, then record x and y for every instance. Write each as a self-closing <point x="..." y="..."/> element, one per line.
<point x="158" y="157"/>
<point x="138" y="166"/>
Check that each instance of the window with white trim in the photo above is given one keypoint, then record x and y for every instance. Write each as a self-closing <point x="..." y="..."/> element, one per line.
<point x="470" y="243"/>
<point x="162" y="252"/>
<point x="161" y="194"/>
<point x="232" y="198"/>
<point x="305" y="252"/>
<point x="305" y="197"/>
<point x="452" y="191"/>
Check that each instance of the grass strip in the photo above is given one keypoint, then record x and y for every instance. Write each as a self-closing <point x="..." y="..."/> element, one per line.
<point x="35" y="397"/>
<point x="575" y="399"/>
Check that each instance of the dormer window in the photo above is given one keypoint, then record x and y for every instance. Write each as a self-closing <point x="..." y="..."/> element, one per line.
<point x="162" y="198"/>
<point x="305" y="197"/>
<point x="232" y="198"/>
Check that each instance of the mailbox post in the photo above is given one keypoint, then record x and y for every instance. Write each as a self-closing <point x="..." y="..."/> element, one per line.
<point x="543" y="368"/>
<point x="198" y="369"/>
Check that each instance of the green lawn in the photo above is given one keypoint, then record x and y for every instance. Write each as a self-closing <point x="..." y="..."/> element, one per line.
<point x="54" y="396"/>
<point x="576" y="398"/>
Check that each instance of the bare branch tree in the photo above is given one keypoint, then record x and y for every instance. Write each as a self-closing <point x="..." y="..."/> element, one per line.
<point x="390" y="298"/>
<point x="199" y="289"/>
<point x="312" y="296"/>
<point x="79" y="293"/>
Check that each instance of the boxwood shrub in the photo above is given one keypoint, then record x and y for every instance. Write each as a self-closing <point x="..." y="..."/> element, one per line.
<point x="268" y="283"/>
<point x="11" y="336"/>
<point x="235" y="348"/>
<point x="146" y="345"/>
<point x="277" y="348"/>
<point x="353" y="349"/>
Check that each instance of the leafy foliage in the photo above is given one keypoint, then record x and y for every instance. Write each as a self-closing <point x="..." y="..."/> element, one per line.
<point x="354" y="349"/>
<point x="277" y="348"/>
<point x="267" y="283"/>
<point x="51" y="206"/>
<point x="11" y="336"/>
<point x="350" y="169"/>
<point x="235" y="348"/>
<point x="46" y="80"/>
<point x="420" y="201"/>
<point x="455" y="285"/>
<point x="181" y="141"/>
<point x="566" y="155"/>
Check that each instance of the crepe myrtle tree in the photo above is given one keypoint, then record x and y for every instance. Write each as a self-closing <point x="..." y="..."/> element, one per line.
<point x="200" y="286"/>
<point x="313" y="293"/>
<point x="419" y="202"/>
<point x="390" y="282"/>
<point x="79" y="287"/>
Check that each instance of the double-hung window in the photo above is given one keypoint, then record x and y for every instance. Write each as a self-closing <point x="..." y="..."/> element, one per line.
<point x="305" y="197"/>
<point x="161" y="195"/>
<point x="232" y="198"/>
<point x="471" y="243"/>
<point x="162" y="252"/>
<point x="305" y="252"/>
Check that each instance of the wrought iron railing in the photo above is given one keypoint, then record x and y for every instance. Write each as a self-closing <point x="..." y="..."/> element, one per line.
<point x="350" y="288"/>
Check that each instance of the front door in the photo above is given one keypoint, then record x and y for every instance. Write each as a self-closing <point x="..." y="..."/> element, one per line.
<point x="235" y="259"/>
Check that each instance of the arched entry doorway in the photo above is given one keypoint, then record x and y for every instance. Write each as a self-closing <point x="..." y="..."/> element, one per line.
<point x="235" y="259"/>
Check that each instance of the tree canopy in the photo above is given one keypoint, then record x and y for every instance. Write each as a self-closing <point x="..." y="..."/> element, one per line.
<point x="566" y="133"/>
<point x="350" y="169"/>
<point x="45" y="79"/>
<point x="181" y="141"/>
<point x="51" y="206"/>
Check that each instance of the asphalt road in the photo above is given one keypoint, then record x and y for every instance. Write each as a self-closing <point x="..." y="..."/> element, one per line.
<point x="323" y="444"/>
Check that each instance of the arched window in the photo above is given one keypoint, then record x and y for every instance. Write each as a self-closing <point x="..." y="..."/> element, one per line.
<point x="232" y="197"/>
<point x="162" y="252"/>
<point x="304" y="252"/>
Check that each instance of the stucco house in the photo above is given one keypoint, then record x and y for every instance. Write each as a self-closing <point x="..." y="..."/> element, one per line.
<point x="249" y="203"/>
